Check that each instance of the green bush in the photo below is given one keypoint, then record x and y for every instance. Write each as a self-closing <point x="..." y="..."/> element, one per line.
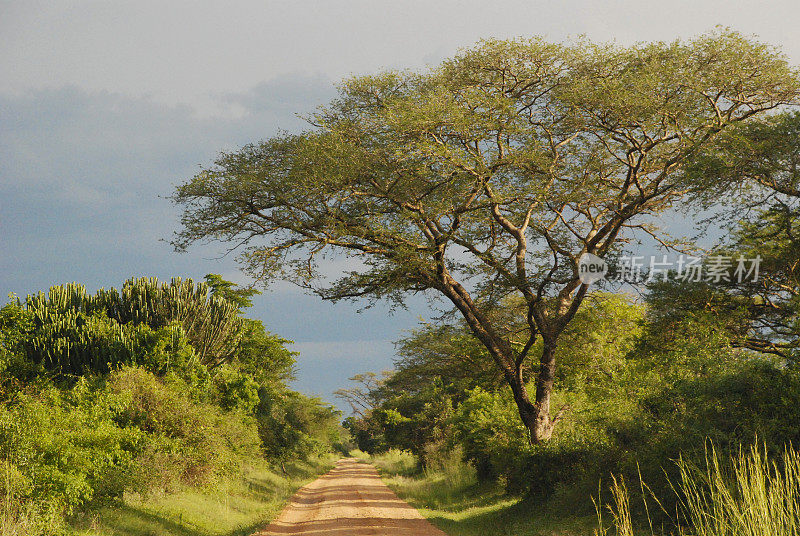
<point x="292" y="425"/>
<point x="488" y="429"/>
<point x="197" y="439"/>
<point x="15" y="369"/>
<point x="130" y="431"/>
<point x="235" y="390"/>
<point x="155" y="386"/>
<point x="68" y="453"/>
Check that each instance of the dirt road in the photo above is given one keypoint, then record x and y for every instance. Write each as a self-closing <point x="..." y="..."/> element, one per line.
<point x="350" y="500"/>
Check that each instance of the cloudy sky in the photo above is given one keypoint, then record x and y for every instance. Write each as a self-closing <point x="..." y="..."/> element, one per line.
<point x="106" y="106"/>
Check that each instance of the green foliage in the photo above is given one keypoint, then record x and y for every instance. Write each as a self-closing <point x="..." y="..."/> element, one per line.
<point x="240" y="505"/>
<point x="755" y="157"/>
<point x="488" y="177"/>
<point x="644" y="385"/>
<point x="442" y="351"/>
<point x="110" y="393"/>
<point x="262" y="355"/>
<point x="414" y="422"/>
<point x="756" y="164"/>
<point x="294" y="426"/>
<point x="65" y="450"/>
<point x="594" y="347"/>
<point x="67" y="454"/>
<point x="197" y="440"/>
<point x="15" y="324"/>
<point x="430" y="403"/>
<point x="76" y="332"/>
<point x="236" y="389"/>
<point x="449" y="495"/>
<point x="240" y="297"/>
<point x="77" y="343"/>
<point x="492" y="439"/>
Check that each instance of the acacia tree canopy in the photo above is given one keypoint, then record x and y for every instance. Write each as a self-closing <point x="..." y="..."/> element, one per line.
<point x="487" y="176"/>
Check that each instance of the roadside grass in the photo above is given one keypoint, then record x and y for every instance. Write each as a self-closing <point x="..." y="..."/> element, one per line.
<point x="450" y="496"/>
<point x="744" y="494"/>
<point x="234" y="508"/>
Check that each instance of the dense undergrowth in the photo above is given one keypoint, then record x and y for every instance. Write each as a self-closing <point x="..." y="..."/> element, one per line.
<point x="746" y="494"/>
<point x="130" y="408"/>
<point x="236" y="506"/>
<point x="449" y="493"/>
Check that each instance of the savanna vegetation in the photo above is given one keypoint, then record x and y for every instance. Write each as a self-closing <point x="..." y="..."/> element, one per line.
<point x="683" y="398"/>
<point x="481" y="183"/>
<point x="534" y="402"/>
<point x="136" y="410"/>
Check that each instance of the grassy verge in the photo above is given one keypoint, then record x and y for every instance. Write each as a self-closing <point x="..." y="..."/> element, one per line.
<point x="451" y="497"/>
<point x="233" y="508"/>
<point x="742" y="495"/>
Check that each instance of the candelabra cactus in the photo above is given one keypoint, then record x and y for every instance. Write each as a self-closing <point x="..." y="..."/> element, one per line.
<point x="76" y="331"/>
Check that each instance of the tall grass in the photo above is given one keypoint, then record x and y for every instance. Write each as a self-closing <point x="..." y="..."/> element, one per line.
<point x="620" y="510"/>
<point x="757" y="497"/>
<point x="19" y="517"/>
<point x="748" y="495"/>
<point x="442" y="482"/>
<point x="235" y="507"/>
<point x="238" y="506"/>
<point x="394" y="461"/>
<point x="447" y="492"/>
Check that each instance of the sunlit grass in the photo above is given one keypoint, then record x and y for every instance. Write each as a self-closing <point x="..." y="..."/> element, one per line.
<point x="745" y="495"/>
<point x="450" y="496"/>
<point x="234" y="508"/>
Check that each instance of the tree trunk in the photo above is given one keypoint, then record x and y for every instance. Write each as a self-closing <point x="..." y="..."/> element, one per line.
<point x="544" y="389"/>
<point x="536" y="415"/>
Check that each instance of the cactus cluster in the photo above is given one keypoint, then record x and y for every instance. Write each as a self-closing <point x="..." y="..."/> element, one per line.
<point x="76" y="331"/>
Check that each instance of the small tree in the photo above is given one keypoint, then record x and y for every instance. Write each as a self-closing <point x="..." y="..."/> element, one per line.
<point x="488" y="176"/>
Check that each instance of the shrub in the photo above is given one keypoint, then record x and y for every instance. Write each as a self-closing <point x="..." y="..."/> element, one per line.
<point x="494" y="440"/>
<point x="196" y="439"/>
<point x="235" y="390"/>
<point x="66" y="455"/>
<point x="293" y="425"/>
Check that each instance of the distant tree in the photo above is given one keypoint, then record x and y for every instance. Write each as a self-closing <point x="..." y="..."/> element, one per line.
<point x="444" y="350"/>
<point x="487" y="176"/>
<point x="365" y="395"/>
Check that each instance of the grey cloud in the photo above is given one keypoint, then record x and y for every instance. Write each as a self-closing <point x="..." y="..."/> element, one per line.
<point x="83" y="177"/>
<point x="82" y="169"/>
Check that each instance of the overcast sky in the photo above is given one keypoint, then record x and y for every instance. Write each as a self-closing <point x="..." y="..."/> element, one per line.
<point x="106" y="106"/>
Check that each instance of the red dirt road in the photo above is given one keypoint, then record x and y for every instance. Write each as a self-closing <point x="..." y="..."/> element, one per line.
<point x="350" y="500"/>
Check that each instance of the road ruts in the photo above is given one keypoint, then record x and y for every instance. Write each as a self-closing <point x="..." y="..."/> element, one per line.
<point x="350" y="500"/>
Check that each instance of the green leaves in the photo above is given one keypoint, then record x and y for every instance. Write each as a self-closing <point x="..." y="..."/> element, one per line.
<point x="566" y="142"/>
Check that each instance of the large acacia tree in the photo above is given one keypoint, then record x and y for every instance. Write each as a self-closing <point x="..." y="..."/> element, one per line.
<point x="487" y="176"/>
